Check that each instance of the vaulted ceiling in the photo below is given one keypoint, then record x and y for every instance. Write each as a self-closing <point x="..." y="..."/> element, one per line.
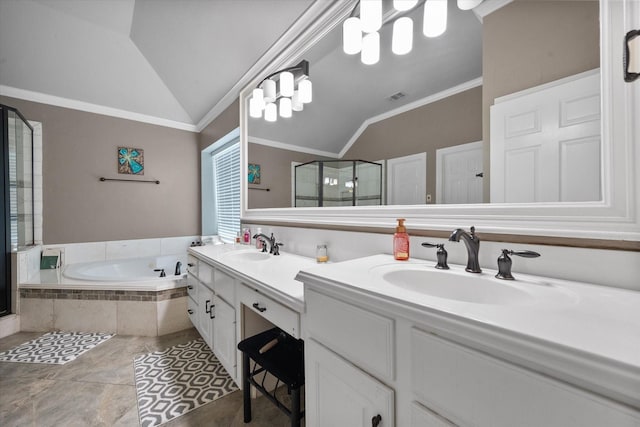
<point x="173" y="60"/>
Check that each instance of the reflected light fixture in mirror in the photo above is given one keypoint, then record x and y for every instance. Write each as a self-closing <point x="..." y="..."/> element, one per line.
<point x="272" y="96"/>
<point x="435" y="18"/>
<point x="360" y="35"/>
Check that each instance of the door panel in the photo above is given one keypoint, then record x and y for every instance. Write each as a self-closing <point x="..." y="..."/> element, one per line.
<point x="407" y="180"/>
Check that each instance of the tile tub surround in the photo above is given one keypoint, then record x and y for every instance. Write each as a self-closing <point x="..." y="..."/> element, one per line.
<point x="144" y="313"/>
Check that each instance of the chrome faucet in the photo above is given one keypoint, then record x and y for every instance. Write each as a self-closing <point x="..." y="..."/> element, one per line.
<point x="472" y="242"/>
<point x="272" y="243"/>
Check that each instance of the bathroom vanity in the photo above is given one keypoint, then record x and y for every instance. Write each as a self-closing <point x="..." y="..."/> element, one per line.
<point x="414" y="346"/>
<point x="402" y="343"/>
<point x="235" y="291"/>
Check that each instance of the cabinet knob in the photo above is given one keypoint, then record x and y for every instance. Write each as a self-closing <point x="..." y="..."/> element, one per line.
<point x="260" y="309"/>
<point x="191" y="264"/>
<point x="375" y="421"/>
<point x="207" y="309"/>
<point x="190" y="311"/>
<point x="190" y="287"/>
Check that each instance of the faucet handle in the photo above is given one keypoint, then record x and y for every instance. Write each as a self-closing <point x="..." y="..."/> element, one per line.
<point x="504" y="262"/>
<point x="524" y="254"/>
<point x="441" y="254"/>
<point x="276" y="248"/>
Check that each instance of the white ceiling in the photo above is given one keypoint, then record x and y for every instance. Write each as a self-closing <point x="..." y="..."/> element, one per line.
<point x="171" y="60"/>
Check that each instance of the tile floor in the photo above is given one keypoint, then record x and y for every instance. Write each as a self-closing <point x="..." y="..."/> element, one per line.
<point x="98" y="389"/>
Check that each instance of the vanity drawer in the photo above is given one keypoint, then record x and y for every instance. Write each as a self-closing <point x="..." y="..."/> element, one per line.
<point x="472" y="388"/>
<point x="365" y="338"/>
<point x="192" y="286"/>
<point x="205" y="274"/>
<point x="225" y="286"/>
<point x="192" y="265"/>
<point x="283" y="317"/>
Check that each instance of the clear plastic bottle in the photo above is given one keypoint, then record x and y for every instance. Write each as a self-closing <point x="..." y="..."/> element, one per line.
<point x="258" y="239"/>
<point x="322" y="255"/>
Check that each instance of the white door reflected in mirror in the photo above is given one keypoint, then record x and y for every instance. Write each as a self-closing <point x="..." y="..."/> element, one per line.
<point x="407" y="180"/>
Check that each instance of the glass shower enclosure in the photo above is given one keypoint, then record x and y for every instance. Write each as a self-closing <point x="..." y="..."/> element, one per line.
<point x="338" y="183"/>
<point x="16" y="181"/>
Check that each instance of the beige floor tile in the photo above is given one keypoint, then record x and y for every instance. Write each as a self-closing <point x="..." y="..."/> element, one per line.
<point x="97" y="389"/>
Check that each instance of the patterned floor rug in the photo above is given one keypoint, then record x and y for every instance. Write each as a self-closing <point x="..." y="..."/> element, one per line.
<point x="175" y="381"/>
<point x="55" y="348"/>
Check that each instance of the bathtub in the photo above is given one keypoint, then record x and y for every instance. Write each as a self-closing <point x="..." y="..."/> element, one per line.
<point x="128" y="270"/>
<point x="122" y="296"/>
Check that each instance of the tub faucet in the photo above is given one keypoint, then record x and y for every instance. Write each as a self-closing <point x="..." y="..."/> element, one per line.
<point x="161" y="270"/>
<point x="178" y="268"/>
<point x="472" y="242"/>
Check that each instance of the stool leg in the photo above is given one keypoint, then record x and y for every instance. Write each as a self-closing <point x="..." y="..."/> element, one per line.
<point x="246" y="388"/>
<point x="295" y="407"/>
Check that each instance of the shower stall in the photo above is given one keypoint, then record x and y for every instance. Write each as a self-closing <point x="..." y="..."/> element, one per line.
<point x="16" y="181"/>
<point x="338" y="183"/>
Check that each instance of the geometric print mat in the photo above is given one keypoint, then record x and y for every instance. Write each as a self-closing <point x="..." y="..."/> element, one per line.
<point x="177" y="380"/>
<point x="54" y="347"/>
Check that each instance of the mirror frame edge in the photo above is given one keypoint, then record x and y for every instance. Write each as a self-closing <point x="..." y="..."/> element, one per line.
<point x="616" y="217"/>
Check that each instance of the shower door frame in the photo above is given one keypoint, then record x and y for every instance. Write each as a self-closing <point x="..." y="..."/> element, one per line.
<point x="5" y="226"/>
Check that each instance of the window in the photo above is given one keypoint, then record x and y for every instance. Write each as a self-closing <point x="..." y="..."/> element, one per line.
<point x="226" y="189"/>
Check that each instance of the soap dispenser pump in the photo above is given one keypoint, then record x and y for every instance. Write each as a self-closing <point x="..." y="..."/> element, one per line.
<point x="401" y="242"/>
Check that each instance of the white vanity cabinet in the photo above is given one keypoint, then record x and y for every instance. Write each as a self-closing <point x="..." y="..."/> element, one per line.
<point x="365" y="356"/>
<point x="349" y="360"/>
<point x="211" y="308"/>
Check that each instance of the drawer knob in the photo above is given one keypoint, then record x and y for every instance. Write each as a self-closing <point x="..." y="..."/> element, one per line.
<point x="375" y="421"/>
<point x="207" y="309"/>
<point x="190" y="311"/>
<point x="191" y="264"/>
<point x="260" y="309"/>
<point x="190" y="287"/>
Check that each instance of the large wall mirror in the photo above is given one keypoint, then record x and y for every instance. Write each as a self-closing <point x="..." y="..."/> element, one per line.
<point x="515" y="119"/>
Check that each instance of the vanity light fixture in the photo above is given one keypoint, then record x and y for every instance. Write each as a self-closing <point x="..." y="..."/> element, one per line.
<point x="277" y="93"/>
<point x="360" y="34"/>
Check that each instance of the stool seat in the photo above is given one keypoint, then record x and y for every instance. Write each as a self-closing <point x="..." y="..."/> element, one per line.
<point x="284" y="360"/>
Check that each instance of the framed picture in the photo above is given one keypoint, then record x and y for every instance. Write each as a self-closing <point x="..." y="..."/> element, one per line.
<point x="131" y="161"/>
<point x="254" y="173"/>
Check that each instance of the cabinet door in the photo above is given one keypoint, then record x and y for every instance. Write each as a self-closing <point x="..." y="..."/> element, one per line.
<point x="206" y="311"/>
<point x="340" y="394"/>
<point x="224" y="335"/>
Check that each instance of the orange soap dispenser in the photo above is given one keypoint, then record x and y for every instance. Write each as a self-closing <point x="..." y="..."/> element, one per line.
<point x="401" y="242"/>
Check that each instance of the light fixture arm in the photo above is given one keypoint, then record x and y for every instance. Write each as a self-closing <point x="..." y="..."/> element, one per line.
<point x="300" y="70"/>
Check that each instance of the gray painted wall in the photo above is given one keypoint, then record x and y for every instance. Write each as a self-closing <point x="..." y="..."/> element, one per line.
<point x="80" y="147"/>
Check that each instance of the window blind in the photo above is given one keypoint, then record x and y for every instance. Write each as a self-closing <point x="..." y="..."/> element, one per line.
<point x="226" y="177"/>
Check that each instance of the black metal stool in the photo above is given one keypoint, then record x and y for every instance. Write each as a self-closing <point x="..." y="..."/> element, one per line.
<point x="285" y="361"/>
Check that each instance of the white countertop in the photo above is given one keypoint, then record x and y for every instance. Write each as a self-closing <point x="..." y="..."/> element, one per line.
<point x="589" y="329"/>
<point x="274" y="275"/>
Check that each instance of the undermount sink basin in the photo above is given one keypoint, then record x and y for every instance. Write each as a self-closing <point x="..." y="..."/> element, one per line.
<point x="248" y="255"/>
<point x="447" y="284"/>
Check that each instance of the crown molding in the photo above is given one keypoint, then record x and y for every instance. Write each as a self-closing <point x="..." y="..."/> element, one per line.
<point x="73" y="104"/>
<point x="289" y="147"/>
